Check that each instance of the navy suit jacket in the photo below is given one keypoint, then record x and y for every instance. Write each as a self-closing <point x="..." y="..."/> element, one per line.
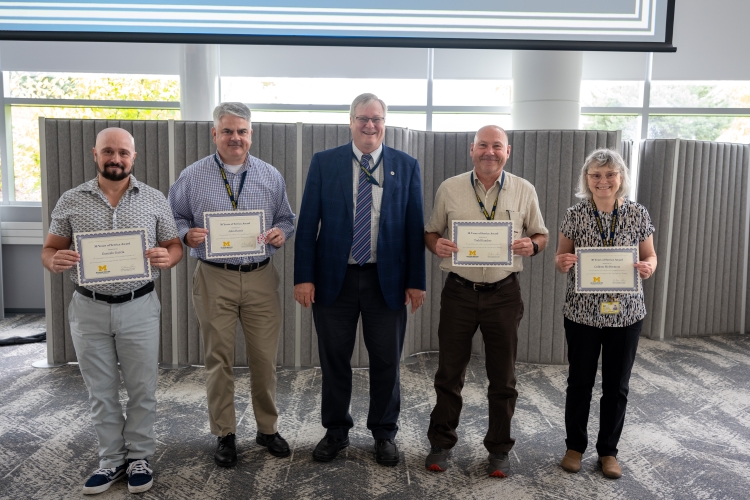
<point x="321" y="256"/>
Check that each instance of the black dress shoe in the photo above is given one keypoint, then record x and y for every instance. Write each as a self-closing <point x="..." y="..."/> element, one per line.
<point x="277" y="445"/>
<point x="386" y="452"/>
<point x="328" y="448"/>
<point x="226" y="451"/>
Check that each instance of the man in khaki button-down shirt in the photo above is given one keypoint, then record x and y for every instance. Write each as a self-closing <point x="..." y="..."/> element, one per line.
<point x="486" y="297"/>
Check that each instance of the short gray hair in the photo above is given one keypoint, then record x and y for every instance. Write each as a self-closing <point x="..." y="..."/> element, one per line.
<point x="231" y="108"/>
<point x="364" y="100"/>
<point x="600" y="158"/>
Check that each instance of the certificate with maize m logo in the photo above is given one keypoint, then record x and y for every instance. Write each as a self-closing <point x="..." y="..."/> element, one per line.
<point x="112" y="256"/>
<point x="234" y="233"/>
<point x="607" y="270"/>
<point x="485" y="243"/>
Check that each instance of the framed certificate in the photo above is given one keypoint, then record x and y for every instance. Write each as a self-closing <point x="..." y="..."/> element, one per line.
<point x="112" y="256"/>
<point x="234" y="233"/>
<point x="485" y="243"/>
<point x="607" y="270"/>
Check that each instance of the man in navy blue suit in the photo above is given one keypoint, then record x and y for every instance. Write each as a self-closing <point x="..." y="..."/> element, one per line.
<point x="359" y="251"/>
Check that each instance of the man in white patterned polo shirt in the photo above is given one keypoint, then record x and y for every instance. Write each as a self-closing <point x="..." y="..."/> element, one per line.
<point x="236" y="287"/>
<point x="116" y="322"/>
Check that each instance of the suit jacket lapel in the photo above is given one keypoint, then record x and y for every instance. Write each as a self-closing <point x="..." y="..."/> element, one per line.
<point x="346" y="179"/>
<point x="391" y="183"/>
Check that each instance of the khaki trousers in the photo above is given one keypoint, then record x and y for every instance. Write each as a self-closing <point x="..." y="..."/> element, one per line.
<point x="220" y="298"/>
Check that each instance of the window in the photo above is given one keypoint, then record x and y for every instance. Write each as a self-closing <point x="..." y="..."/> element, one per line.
<point x="709" y="94"/>
<point x="92" y="86"/>
<point x="321" y="91"/>
<point x="629" y="124"/>
<point x="471" y="92"/>
<point x="139" y="97"/>
<point x="600" y="93"/>
<point x="25" y="119"/>
<point x="700" y="127"/>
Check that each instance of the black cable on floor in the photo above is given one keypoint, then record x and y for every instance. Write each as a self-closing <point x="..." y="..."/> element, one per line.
<point x="39" y="337"/>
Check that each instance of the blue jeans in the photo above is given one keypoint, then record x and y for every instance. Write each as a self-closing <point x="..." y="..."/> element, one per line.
<point x="104" y="334"/>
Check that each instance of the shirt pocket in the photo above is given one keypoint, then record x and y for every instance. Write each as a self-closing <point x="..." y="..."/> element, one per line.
<point x="377" y="199"/>
<point x="517" y="218"/>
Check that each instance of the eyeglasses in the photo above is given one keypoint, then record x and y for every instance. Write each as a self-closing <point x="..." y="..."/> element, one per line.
<point x="609" y="176"/>
<point x="364" y="119"/>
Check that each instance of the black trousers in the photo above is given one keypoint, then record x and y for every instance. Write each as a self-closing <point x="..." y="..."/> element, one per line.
<point x="498" y="314"/>
<point x="618" y="347"/>
<point x="383" y="330"/>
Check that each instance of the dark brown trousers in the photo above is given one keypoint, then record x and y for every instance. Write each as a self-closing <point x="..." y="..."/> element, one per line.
<point x="498" y="314"/>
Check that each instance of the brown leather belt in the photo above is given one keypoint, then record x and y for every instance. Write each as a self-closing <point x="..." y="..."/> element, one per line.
<point x="482" y="287"/>
<point x="241" y="268"/>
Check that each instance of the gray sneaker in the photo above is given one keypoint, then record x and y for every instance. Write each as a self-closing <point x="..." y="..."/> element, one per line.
<point x="499" y="465"/>
<point x="437" y="460"/>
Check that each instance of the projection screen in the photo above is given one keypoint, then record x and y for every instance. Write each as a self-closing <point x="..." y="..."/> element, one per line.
<point x="627" y="25"/>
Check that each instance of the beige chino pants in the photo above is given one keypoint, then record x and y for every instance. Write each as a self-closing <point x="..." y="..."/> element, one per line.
<point x="220" y="298"/>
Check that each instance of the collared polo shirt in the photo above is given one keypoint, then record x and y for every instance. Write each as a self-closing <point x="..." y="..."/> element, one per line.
<point x="456" y="199"/>
<point x="86" y="208"/>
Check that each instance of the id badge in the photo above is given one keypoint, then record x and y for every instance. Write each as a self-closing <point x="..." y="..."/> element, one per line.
<point x="612" y="307"/>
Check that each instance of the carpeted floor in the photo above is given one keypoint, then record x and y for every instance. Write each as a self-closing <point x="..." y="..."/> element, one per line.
<point x="687" y="434"/>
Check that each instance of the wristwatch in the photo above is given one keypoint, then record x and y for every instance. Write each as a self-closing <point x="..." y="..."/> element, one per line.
<point x="536" y="248"/>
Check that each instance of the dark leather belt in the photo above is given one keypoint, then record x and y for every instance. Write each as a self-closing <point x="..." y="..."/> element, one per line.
<point x="244" y="268"/>
<point x="368" y="265"/>
<point x="482" y="287"/>
<point x="116" y="299"/>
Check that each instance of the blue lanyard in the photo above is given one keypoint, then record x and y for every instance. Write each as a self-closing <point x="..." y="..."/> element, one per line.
<point x="368" y="173"/>
<point x="607" y="242"/>
<point x="487" y="216"/>
<point x="228" y="187"/>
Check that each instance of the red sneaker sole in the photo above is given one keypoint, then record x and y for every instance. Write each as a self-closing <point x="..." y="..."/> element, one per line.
<point x="497" y="473"/>
<point x="435" y="468"/>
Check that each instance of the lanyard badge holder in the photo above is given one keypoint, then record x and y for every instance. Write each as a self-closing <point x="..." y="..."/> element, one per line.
<point x="611" y="306"/>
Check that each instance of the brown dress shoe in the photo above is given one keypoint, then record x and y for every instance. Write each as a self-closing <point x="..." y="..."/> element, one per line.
<point x="571" y="462"/>
<point x="610" y="467"/>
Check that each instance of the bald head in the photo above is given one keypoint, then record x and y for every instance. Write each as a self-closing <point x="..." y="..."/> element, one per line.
<point x="114" y="153"/>
<point x="493" y="128"/>
<point x="114" y="133"/>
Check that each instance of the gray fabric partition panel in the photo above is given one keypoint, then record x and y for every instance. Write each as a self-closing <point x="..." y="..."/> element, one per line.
<point x="697" y="195"/>
<point x="551" y="160"/>
<point x="627" y="152"/>
<point x="69" y="162"/>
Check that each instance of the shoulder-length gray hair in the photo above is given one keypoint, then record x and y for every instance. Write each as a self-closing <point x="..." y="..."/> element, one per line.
<point x="600" y="158"/>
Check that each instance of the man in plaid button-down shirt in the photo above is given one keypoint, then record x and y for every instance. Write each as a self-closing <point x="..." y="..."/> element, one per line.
<point x="241" y="287"/>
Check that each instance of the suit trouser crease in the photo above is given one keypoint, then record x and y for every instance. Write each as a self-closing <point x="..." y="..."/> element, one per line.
<point x="103" y="335"/>
<point x="221" y="298"/>
<point x="383" y="331"/>
<point x="618" y="346"/>
<point x="498" y="314"/>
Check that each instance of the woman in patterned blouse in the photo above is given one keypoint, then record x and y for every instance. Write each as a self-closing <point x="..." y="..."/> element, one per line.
<point x="594" y="322"/>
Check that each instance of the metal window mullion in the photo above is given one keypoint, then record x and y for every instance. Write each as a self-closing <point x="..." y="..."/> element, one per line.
<point x="90" y="103"/>
<point x="6" y="147"/>
<point x="430" y="78"/>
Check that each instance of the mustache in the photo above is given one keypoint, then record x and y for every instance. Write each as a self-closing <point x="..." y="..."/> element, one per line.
<point x="114" y="164"/>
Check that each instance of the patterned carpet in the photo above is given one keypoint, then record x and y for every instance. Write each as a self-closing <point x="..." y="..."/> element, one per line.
<point x="687" y="434"/>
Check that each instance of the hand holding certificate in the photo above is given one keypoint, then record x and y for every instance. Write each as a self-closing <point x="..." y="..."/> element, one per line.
<point x="234" y="233"/>
<point x="607" y="270"/>
<point x="483" y="243"/>
<point x="112" y="256"/>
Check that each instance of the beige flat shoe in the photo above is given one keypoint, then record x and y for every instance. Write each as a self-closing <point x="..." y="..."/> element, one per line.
<point x="610" y="467"/>
<point x="571" y="462"/>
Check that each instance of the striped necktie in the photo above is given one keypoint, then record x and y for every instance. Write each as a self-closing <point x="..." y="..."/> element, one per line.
<point x="363" y="216"/>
